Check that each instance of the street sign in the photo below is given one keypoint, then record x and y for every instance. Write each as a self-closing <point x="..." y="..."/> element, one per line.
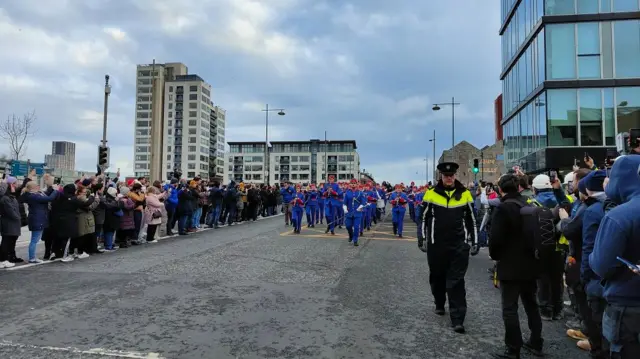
<point x="22" y="168"/>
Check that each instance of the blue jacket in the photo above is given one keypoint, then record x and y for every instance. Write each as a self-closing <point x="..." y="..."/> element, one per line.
<point x="618" y="235"/>
<point x="311" y="198"/>
<point x="353" y="200"/>
<point x="547" y="199"/>
<point x="336" y="199"/>
<point x="591" y="219"/>
<point x="287" y="194"/>
<point x="38" y="218"/>
<point x="172" y="200"/>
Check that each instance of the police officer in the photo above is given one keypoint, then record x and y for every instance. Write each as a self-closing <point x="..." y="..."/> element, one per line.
<point x="449" y="228"/>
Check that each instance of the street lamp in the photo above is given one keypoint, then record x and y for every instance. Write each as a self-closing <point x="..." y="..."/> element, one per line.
<point x="434" y="155"/>
<point x="453" y="104"/>
<point x="266" y="110"/>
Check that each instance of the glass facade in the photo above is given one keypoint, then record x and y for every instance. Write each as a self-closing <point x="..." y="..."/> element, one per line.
<point x="561" y="111"/>
<point x="525" y="76"/>
<point x="572" y="7"/>
<point x="571" y="117"/>
<point x="524" y="20"/>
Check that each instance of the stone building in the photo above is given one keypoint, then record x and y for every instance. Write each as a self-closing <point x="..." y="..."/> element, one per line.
<point x="490" y="159"/>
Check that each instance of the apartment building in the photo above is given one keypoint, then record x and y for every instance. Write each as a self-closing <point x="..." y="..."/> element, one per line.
<point x="194" y="131"/>
<point x="294" y="161"/>
<point x="177" y="125"/>
<point x="62" y="157"/>
<point x="149" y="123"/>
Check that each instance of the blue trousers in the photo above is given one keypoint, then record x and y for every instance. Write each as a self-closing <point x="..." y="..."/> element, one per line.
<point x="352" y="222"/>
<point x="331" y="212"/>
<point x="340" y="214"/>
<point x="312" y="214"/>
<point x="296" y="217"/>
<point x="320" y="211"/>
<point x="397" y="217"/>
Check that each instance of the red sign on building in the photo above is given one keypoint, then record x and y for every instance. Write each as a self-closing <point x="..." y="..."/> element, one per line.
<point x="498" y="116"/>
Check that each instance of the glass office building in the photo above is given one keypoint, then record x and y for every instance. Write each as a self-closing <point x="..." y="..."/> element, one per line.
<point x="570" y="79"/>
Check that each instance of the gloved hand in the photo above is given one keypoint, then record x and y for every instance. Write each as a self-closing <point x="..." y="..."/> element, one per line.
<point x="421" y="245"/>
<point x="474" y="250"/>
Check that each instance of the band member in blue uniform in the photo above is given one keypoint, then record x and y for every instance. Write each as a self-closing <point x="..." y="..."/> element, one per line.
<point x="297" y="209"/>
<point x="311" y="205"/>
<point x="356" y="202"/>
<point x="341" y="213"/>
<point x="320" y="209"/>
<point x="399" y="201"/>
<point x="331" y="204"/>
<point x="371" y="206"/>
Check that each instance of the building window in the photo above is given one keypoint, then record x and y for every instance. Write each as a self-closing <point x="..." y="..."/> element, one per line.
<point x="192" y="149"/>
<point x="627" y="48"/>
<point x="193" y="140"/>
<point x="170" y="88"/>
<point x="193" y="105"/>
<point x="142" y="132"/>
<point x="193" y="131"/>
<point x="559" y="7"/>
<point x="607" y="50"/>
<point x="143" y="115"/>
<point x="609" y="117"/>
<point x="191" y="174"/>
<point x="142" y="123"/>
<point x="193" y="114"/>
<point x="590" y="117"/>
<point x="193" y="88"/>
<point x="170" y="114"/>
<point x="561" y="51"/>
<point x="562" y="113"/>
<point x="625" y="5"/>
<point x="589" y="50"/>
<point x="193" y="97"/>
<point x="193" y="122"/>
<point x="628" y="108"/>
<point x="588" y="6"/>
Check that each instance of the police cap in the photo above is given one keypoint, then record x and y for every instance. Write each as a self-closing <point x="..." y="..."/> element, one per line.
<point x="448" y="167"/>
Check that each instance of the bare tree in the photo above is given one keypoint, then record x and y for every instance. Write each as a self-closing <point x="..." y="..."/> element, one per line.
<point x="16" y="130"/>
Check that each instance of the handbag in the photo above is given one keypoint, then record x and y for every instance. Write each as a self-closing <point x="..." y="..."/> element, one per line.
<point x="156" y="214"/>
<point x="118" y="213"/>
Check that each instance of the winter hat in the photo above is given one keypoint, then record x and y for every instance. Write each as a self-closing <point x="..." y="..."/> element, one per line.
<point x="124" y="190"/>
<point x="86" y="182"/>
<point x="594" y="180"/>
<point x="582" y="186"/>
<point x="11" y="180"/>
<point x="112" y="192"/>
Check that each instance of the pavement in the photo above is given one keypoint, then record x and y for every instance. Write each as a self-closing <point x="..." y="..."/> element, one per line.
<point x="251" y="291"/>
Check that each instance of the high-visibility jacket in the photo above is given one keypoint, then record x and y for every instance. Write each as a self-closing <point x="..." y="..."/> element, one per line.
<point x="447" y="216"/>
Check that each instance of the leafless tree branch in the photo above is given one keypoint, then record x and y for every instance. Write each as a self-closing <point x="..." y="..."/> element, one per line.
<point x="16" y="130"/>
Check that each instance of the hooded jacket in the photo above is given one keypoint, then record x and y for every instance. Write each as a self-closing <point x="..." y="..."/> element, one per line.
<point x="591" y="220"/>
<point x="9" y="212"/>
<point x="618" y="235"/>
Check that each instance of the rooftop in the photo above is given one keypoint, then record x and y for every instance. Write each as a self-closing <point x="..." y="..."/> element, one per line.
<point x="292" y="142"/>
<point x="191" y="77"/>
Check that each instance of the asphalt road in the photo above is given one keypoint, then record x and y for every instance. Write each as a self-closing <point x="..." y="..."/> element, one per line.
<point x="251" y="291"/>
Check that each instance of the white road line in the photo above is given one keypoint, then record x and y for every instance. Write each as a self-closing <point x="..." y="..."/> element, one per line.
<point x="94" y="351"/>
<point x="29" y="265"/>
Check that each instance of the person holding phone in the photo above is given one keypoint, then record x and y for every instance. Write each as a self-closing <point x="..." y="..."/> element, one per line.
<point x="617" y="237"/>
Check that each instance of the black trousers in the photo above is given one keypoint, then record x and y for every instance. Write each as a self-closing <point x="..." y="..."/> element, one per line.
<point x="512" y="291"/>
<point x="8" y="248"/>
<point x="59" y="245"/>
<point x="151" y="232"/>
<point x="551" y="283"/>
<point x="252" y="210"/>
<point x="447" y="268"/>
<point x="599" y="345"/>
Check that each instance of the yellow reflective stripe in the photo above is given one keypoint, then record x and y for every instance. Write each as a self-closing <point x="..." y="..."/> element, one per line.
<point x="569" y="198"/>
<point x="563" y="240"/>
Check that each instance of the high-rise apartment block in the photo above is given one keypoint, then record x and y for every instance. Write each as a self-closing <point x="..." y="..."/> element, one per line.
<point x="62" y="157"/>
<point x="294" y="161"/>
<point x="194" y="130"/>
<point x="570" y="79"/>
<point x="177" y="126"/>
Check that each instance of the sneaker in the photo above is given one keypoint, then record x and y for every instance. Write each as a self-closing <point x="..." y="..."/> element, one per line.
<point x="576" y="334"/>
<point x="7" y="264"/>
<point x="111" y="250"/>
<point x="573" y="324"/>
<point x="508" y="353"/>
<point x="153" y="241"/>
<point x="67" y="259"/>
<point x="83" y="255"/>
<point x="584" y="345"/>
<point x="35" y="261"/>
<point x="459" y="328"/>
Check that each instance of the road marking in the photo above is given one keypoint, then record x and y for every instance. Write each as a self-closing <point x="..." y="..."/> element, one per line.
<point x="93" y="351"/>
<point x="29" y="265"/>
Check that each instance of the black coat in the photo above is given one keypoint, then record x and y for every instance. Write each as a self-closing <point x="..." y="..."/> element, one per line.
<point x="515" y="260"/>
<point x="9" y="213"/>
<point x="63" y="217"/>
<point x="111" y="222"/>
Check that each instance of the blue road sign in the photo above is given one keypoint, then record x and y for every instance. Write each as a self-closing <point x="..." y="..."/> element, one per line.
<point x="22" y="168"/>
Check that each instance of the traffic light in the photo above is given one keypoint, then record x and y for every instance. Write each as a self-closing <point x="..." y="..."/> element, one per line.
<point x="475" y="166"/>
<point x="103" y="155"/>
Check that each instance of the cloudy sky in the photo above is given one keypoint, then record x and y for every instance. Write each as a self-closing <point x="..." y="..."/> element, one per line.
<point x="367" y="70"/>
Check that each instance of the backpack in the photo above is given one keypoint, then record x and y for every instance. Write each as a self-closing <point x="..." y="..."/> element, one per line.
<point x="538" y="228"/>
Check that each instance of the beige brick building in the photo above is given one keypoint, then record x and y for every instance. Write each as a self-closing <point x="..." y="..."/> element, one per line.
<point x="490" y="158"/>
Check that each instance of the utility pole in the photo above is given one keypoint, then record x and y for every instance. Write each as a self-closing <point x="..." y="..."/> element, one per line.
<point x="107" y="92"/>
<point x="482" y="165"/>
